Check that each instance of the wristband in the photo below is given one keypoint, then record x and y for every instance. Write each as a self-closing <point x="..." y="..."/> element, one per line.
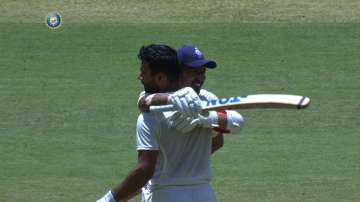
<point x="222" y="122"/>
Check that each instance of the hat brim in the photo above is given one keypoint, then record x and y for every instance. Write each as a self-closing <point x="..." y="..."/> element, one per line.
<point x="201" y="63"/>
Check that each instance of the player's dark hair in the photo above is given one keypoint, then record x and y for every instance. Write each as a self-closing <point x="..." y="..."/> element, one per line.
<point x="161" y="58"/>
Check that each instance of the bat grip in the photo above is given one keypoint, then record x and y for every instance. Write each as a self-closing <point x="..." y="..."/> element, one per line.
<point x="162" y="108"/>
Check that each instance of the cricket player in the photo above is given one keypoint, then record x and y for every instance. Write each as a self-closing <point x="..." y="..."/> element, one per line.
<point x="173" y="160"/>
<point x="159" y="73"/>
<point x="193" y="74"/>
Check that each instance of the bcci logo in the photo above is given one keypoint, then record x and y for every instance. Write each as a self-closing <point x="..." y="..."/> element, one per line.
<point x="54" y="20"/>
<point x="198" y="53"/>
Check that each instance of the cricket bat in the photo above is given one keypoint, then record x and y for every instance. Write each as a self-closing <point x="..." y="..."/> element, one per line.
<point x="255" y="101"/>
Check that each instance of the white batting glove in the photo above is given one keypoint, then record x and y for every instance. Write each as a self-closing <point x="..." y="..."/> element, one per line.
<point x="186" y="124"/>
<point x="108" y="197"/>
<point x="234" y="121"/>
<point x="209" y="121"/>
<point x="182" y="123"/>
<point x="186" y="101"/>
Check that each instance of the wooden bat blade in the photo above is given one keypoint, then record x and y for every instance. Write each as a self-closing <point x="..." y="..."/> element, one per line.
<point x="249" y="102"/>
<point x="258" y="101"/>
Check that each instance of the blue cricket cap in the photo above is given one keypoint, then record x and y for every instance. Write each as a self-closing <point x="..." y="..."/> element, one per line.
<point x="192" y="57"/>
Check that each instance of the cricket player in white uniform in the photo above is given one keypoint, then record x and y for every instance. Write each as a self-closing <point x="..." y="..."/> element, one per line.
<point x="182" y="141"/>
<point x="182" y="171"/>
<point x="196" y="134"/>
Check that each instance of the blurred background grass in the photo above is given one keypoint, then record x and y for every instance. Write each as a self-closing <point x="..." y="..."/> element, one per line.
<point x="188" y="11"/>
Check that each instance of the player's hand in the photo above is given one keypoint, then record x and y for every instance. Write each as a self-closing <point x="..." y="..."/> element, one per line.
<point x="186" y="101"/>
<point x="182" y="123"/>
<point x="235" y="121"/>
<point x="186" y="124"/>
<point x="209" y="120"/>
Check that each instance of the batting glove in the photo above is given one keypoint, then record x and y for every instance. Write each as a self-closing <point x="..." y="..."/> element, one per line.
<point x="186" y="124"/>
<point x="186" y="101"/>
<point x="209" y="121"/>
<point x="234" y="121"/>
<point x="182" y="123"/>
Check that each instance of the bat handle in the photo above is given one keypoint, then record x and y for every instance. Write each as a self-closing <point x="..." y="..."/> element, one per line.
<point x="162" y="108"/>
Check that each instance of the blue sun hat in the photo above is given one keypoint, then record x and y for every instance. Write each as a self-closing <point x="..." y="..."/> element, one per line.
<point x="192" y="57"/>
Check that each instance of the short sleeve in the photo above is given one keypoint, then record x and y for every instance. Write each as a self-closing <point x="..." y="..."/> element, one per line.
<point x="141" y="95"/>
<point x="146" y="133"/>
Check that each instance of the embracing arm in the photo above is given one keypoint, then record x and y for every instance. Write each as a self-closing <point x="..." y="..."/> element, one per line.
<point x="138" y="177"/>
<point x="217" y="142"/>
<point x="185" y="100"/>
<point x="135" y="180"/>
<point x="145" y="101"/>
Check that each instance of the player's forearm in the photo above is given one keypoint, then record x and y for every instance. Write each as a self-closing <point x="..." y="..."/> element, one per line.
<point x="132" y="184"/>
<point x="217" y="142"/>
<point x="145" y="102"/>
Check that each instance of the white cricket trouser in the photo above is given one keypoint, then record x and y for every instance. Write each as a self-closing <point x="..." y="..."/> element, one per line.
<point x="189" y="193"/>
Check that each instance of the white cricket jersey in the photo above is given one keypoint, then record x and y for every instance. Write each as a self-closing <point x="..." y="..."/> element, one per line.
<point x="184" y="158"/>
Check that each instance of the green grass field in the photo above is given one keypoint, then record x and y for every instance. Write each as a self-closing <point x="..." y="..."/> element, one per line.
<point x="68" y="96"/>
